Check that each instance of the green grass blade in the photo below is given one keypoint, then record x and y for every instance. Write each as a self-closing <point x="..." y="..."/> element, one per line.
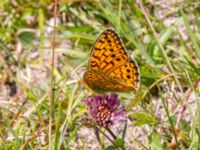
<point x="191" y="35"/>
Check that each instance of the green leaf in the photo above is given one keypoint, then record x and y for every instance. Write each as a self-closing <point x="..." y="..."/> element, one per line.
<point x="26" y="37"/>
<point x="142" y="118"/>
<point x="173" y="119"/>
<point x="118" y="143"/>
<point x="110" y="147"/>
<point x="155" y="142"/>
<point x="198" y="23"/>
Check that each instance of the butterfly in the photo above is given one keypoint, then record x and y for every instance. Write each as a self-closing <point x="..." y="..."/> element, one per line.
<point x="110" y="68"/>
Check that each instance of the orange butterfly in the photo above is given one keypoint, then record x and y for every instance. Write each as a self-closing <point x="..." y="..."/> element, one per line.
<point x="110" y="68"/>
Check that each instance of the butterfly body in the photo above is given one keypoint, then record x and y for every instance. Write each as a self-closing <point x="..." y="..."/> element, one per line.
<point x="110" y="68"/>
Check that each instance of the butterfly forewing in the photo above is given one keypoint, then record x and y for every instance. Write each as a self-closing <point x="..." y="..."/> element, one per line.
<point x="107" y="49"/>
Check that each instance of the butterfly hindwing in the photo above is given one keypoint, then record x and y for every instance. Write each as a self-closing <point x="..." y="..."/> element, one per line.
<point x="100" y="82"/>
<point x="127" y="73"/>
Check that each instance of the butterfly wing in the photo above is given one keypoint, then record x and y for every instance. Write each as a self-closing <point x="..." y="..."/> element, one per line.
<point x="110" y="68"/>
<point x="101" y="82"/>
<point x="107" y="49"/>
<point x="127" y="74"/>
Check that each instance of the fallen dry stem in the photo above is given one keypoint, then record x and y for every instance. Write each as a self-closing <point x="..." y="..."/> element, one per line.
<point x="182" y="110"/>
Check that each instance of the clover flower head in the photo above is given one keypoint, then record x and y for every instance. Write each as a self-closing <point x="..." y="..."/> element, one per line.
<point x="105" y="110"/>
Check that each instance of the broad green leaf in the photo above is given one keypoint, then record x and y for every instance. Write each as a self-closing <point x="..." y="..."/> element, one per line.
<point x="142" y="118"/>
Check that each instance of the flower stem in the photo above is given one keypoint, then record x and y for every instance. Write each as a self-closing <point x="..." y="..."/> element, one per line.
<point x="105" y="135"/>
<point x="111" y="133"/>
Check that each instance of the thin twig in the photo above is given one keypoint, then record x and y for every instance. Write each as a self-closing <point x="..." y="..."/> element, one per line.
<point x="52" y="76"/>
<point x="170" y="119"/>
<point x="156" y="82"/>
<point x="182" y="110"/>
<point x="33" y="136"/>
